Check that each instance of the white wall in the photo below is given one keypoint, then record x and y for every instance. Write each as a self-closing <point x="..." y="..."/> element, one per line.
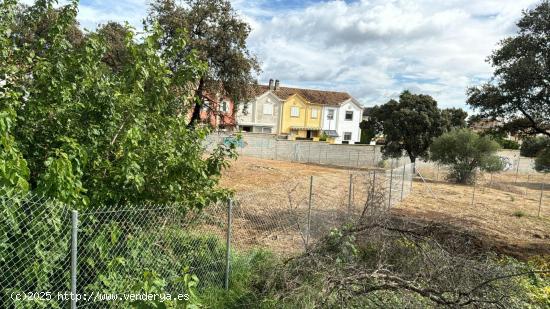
<point x="255" y="113"/>
<point x="330" y="124"/>
<point x="347" y="125"/>
<point x="268" y="119"/>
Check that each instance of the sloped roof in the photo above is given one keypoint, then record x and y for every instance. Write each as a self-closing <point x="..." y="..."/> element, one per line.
<point x="314" y="96"/>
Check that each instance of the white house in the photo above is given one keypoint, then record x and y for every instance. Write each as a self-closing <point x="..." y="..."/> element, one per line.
<point x="341" y="121"/>
<point x="261" y="115"/>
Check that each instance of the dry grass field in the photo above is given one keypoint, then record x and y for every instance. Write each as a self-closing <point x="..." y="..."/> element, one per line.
<point x="503" y="218"/>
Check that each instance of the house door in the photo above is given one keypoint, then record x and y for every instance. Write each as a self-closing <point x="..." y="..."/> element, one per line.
<point x="308" y="135"/>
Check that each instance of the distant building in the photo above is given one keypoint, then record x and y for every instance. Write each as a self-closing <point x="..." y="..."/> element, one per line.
<point x="484" y="125"/>
<point x="298" y="113"/>
<point x="218" y="112"/>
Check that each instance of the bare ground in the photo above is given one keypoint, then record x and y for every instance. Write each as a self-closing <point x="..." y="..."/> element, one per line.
<point x="503" y="218"/>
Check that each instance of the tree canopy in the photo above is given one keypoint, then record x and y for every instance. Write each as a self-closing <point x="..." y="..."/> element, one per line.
<point x="218" y="36"/>
<point x="409" y="124"/>
<point x="72" y="128"/>
<point x="519" y="91"/>
<point x="455" y="118"/>
<point x="465" y="151"/>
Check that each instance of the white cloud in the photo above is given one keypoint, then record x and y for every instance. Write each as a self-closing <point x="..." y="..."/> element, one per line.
<point x="375" y="49"/>
<point x="371" y="48"/>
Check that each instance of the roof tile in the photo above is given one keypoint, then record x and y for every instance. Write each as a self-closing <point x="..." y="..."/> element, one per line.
<point x="320" y="97"/>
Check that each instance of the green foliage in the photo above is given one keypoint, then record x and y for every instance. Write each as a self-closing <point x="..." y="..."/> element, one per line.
<point x="532" y="146"/>
<point x="500" y="137"/>
<point x="34" y="242"/>
<point x="542" y="162"/>
<point x="409" y="125"/>
<point x="86" y="134"/>
<point x="117" y="55"/>
<point x="154" y="285"/>
<point x="519" y="88"/>
<point x="390" y="270"/>
<point x="508" y="144"/>
<point x="465" y="151"/>
<point x="220" y="42"/>
<point x="455" y="118"/>
<point x="519" y="214"/>
<point x="247" y="287"/>
<point x="81" y="134"/>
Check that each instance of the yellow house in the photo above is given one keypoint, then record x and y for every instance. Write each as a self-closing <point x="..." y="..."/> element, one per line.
<point x="301" y="119"/>
<point x="308" y="113"/>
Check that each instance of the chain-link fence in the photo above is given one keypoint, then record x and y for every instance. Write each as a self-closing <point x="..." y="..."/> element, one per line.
<point x="518" y="185"/>
<point x="55" y="257"/>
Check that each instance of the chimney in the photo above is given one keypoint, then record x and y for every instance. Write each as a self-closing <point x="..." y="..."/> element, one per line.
<point x="277" y="84"/>
<point x="271" y="84"/>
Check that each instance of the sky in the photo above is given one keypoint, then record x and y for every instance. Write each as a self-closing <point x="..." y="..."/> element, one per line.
<point x="371" y="49"/>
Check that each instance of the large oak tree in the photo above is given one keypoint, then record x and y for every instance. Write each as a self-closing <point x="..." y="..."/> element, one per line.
<point x="218" y="36"/>
<point x="409" y="124"/>
<point x="519" y="92"/>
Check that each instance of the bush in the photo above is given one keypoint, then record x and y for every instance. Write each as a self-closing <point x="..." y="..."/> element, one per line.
<point x="542" y="162"/>
<point x="518" y="214"/>
<point x="465" y="151"/>
<point x="533" y="145"/>
<point x="373" y="266"/>
<point x="509" y="144"/>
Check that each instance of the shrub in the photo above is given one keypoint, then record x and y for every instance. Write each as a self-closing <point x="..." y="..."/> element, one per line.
<point x="518" y="214"/>
<point x="533" y="145"/>
<point x="465" y="151"/>
<point x="373" y="266"/>
<point x="542" y="162"/>
<point x="509" y="144"/>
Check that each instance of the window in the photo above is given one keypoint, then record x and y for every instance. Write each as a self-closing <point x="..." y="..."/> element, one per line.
<point x="330" y="114"/>
<point x="268" y="109"/>
<point x="347" y="136"/>
<point x="224" y="107"/>
<point x="314" y="113"/>
<point x="294" y="111"/>
<point x="349" y="115"/>
<point x="205" y="105"/>
<point x="266" y="130"/>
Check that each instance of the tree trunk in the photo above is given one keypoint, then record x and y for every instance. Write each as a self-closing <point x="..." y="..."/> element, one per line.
<point x="413" y="161"/>
<point x="196" y="115"/>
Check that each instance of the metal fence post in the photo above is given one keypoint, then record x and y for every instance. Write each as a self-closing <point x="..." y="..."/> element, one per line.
<point x="540" y="199"/>
<point x="309" y="211"/>
<point x="74" y="248"/>
<point x="403" y="182"/>
<point x="527" y="185"/>
<point x="517" y="169"/>
<point x="228" y="243"/>
<point x="474" y="191"/>
<point x="349" y="193"/>
<point x="413" y="173"/>
<point x="391" y="184"/>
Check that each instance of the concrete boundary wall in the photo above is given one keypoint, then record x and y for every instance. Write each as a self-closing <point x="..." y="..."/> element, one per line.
<point x="268" y="146"/>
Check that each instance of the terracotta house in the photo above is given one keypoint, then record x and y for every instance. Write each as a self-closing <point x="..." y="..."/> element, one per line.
<point x="218" y="112"/>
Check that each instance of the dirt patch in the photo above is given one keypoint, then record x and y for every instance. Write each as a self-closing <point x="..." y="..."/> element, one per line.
<point x="503" y="217"/>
